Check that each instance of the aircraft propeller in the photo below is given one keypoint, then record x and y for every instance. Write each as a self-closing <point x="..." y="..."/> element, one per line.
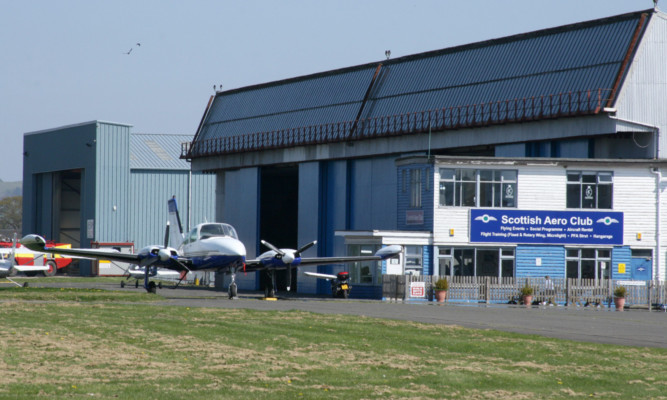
<point x="287" y="256"/>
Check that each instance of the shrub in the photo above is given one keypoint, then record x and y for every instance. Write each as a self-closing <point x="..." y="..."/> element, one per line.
<point x="526" y="290"/>
<point x="441" y="284"/>
<point x="620" y="291"/>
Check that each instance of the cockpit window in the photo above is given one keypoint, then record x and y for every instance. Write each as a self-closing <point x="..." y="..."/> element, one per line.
<point x="209" y="230"/>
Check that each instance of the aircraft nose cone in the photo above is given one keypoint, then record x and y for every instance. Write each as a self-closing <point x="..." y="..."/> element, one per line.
<point x="288" y="258"/>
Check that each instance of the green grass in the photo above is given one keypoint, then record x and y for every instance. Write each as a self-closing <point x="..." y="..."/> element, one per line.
<point x="109" y="349"/>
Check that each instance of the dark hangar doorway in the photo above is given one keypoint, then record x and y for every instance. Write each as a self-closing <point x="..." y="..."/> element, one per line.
<point x="278" y="215"/>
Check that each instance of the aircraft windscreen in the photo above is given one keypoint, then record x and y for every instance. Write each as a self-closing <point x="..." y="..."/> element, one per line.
<point x="217" y="230"/>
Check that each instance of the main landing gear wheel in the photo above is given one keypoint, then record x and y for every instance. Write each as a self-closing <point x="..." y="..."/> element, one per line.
<point x="52" y="268"/>
<point x="233" y="291"/>
<point x="152" y="287"/>
<point x="122" y="284"/>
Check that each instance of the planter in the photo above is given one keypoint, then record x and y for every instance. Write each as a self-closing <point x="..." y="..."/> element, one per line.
<point x="619" y="302"/>
<point x="440" y="295"/>
<point x="528" y="300"/>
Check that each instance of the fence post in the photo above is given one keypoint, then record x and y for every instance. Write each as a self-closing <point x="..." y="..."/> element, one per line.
<point x="568" y="295"/>
<point x="650" y="295"/>
<point x="488" y="290"/>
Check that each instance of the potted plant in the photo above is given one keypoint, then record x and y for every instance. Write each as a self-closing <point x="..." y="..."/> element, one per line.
<point x="441" y="286"/>
<point x="526" y="294"/>
<point x="619" y="297"/>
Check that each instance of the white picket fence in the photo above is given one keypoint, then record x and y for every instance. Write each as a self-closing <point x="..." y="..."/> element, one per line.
<point x="506" y="290"/>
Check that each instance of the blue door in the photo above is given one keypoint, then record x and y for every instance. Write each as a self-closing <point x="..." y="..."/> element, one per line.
<point x="641" y="269"/>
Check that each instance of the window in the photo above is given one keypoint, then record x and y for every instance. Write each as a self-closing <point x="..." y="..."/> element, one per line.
<point x="415" y="188"/>
<point x="589" y="189"/>
<point x="483" y="261"/>
<point x="364" y="272"/>
<point x="588" y="263"/>
<point x="478" y="188"/>
<point x="413" y="260"/>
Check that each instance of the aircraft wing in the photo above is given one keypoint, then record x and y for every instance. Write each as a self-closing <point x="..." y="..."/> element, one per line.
<point x="382" y="254"/>
<point x="37" y="243"/>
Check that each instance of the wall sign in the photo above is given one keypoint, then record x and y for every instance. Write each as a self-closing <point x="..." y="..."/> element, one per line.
<point x="546" y="227"/>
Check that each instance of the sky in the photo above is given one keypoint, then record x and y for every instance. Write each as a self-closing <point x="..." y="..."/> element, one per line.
<point x="65" y="62"/>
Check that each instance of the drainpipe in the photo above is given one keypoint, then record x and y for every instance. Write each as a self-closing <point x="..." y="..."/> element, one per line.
<point x="658" y="189"/>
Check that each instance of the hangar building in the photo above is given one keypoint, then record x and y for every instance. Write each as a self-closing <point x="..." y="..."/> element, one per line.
<point x="565" y="124"/>
<point x="97" y="182"/>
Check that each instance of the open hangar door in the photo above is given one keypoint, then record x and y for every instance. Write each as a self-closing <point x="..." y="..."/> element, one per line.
<point x="67" y="207"/>
<point x="278" y="215"/>
<point x="66" y="223"/>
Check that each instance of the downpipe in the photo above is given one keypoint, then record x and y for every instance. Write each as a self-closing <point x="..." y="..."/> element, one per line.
<point x="658" y="190"/>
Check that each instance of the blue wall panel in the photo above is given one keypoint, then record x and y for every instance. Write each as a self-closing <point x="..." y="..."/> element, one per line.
<point x="552" y="261"/>
<point x="621" y="255"/>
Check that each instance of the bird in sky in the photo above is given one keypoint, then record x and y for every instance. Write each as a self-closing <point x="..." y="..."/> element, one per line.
<point x="132" y="48"/>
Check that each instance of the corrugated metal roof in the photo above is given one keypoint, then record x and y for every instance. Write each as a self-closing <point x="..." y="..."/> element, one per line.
<point x="572" y="58"/>
<point x="155" y="151"/>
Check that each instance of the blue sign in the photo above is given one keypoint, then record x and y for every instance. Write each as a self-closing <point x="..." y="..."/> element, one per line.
<point x="546" y="227"/>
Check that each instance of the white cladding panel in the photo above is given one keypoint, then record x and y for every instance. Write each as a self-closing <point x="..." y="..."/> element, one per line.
<point x="543" y="187"/>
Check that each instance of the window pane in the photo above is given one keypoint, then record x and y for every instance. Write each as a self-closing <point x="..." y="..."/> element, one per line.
<point x="446" y="173"/>
<point x="573" y="196"/>
<point x="446" y="193"/>
<point x="604" y="196"/>
<point x="588" y="253"/>
<point x="604" y="253"/>
<point x="463" y="262"/>
<point x="466" y="175"/>
<point x="508" y="268"/>
<point x="507" y="252"/>
<point x="573" y="269"/>
<point x="571" y="253"/>
<point x="508" y="175"/>
<point x="588" y="177"/>
<point x="588" y="198"/>
<point x="509" y="195"/>
<point x="468" y="194"/>
<point x="587" y="269"/>
<point x="487" y="262"/>
<point x="604" y="177"/>
<point x="573" y="177"/>
<point x="445" y="266"/>
<point x="485" y="175"/>
<point x="486" y="194"/>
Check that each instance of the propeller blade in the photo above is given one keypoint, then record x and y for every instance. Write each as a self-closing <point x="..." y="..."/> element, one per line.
<point x="305" y="247"/>
<point x="272" y="247"/>
<point x="289" y="278"/>
<point x="166" y="236"/>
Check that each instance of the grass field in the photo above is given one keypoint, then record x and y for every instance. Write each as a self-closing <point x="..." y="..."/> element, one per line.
<point x="77" y="343"/>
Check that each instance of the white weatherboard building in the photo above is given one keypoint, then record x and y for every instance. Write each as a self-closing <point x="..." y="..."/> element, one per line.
<point x="566" y="218"/>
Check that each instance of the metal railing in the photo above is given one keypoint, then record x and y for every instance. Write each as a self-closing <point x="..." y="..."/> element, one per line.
<point x="574" y="292"/>
<point x="532" y="108"/>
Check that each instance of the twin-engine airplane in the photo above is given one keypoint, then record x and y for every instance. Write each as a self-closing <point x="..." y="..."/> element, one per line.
<point x="210" y="247"/>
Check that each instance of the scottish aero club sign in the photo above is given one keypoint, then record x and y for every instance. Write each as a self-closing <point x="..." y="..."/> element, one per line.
<point x="546" y="227"/>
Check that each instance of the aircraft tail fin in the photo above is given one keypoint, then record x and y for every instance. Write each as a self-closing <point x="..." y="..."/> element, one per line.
<point x="175" y="226"/>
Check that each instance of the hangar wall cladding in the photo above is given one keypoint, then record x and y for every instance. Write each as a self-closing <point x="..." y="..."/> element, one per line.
<point x="595" y="90"/>
<point x="98" y="181"/>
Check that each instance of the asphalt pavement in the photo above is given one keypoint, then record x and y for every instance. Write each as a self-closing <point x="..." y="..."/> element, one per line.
<point x="585" y="324"/>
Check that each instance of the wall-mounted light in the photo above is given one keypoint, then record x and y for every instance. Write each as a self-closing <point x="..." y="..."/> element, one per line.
<point x="639" y="236"/>
<point x="451" y="232"/>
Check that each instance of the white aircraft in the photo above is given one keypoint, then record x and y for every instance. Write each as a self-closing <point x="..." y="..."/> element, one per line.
<point x="210" y="247"/>
<point x="8" y="264"/>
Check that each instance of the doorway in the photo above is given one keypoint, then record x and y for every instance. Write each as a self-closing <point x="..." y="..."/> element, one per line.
<point x="278" y="215"/>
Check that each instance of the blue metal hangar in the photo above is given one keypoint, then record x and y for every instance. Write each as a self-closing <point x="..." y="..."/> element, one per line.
<point x="99" y="183"/>
<point x="539" y="153"/>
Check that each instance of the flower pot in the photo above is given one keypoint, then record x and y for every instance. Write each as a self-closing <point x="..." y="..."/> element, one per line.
<point x="440" y="295"/>
<point x="528" y="300"/>
<point x="619" y="302"/>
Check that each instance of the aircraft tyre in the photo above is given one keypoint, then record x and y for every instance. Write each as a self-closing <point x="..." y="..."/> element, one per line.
<point x="233" y="292"/>
<point x="152" y="287"/>
<point x="122" y="284"/>
<point x="136" y="284"/>
<point x="53" y="268"/>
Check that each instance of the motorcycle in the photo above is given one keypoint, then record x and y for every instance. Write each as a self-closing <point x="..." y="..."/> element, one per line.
<point x="340" y="283"/>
